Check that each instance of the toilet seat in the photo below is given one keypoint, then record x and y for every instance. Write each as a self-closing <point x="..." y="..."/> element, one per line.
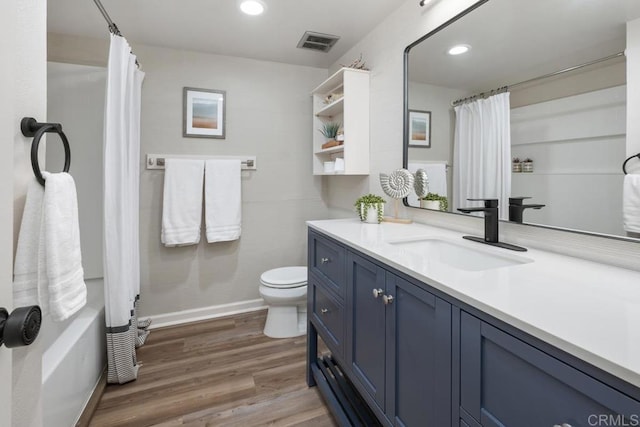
<point x="284" y="277"/>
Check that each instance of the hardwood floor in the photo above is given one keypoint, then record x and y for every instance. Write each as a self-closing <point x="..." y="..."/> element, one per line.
<point x="222" y="372"/>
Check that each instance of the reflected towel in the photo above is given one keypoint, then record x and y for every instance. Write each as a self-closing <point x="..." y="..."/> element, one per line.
<point x="631" y="203"/>
<point x="437" y="173"/>
<point x="182" y="202"/>
<point x="223" y="200"/>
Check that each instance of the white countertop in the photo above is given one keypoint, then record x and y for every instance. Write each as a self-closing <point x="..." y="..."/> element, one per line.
<point x="587" y="309"/>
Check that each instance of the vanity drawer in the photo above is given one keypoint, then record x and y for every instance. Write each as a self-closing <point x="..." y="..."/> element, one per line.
<point x="328" y="315"/>
<point x="505" y="381"/>
<point x="327" y="259"/>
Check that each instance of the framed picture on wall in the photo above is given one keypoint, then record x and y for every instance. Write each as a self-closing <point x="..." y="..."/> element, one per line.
<point x="203" y="113"/>
<point x="419" y="129"/>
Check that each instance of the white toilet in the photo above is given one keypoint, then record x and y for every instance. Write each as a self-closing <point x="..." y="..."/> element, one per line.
<point x="284" y="290"/>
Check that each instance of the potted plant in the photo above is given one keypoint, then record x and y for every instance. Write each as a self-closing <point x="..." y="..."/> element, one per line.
<point x="516" y="166"/>
<point x="370" y="208"/>
<point x="434" y="201"/>
<point x="527" y="165"/>
<point x="330" y="131"/>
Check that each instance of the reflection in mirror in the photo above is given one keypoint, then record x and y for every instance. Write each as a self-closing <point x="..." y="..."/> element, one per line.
<point x="536" y="107"/>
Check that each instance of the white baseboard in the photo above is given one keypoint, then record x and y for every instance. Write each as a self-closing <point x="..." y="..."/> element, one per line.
<point x="204" y="313"/>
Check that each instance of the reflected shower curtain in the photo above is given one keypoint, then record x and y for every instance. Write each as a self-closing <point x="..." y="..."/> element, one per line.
<point x="121" y="209"/>
<point x="482" y="152"/>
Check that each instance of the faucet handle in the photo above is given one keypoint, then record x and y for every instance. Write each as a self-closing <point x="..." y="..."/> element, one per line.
<point x="488" y="203"/>
<point x="517" y="200"/>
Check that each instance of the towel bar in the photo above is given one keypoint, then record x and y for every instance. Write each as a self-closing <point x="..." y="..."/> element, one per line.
<point x="624" y="165"/>
<point x="31" y="127"/>
<point x="157" y="161"/>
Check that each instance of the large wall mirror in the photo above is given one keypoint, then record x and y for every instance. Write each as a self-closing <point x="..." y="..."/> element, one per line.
<point x="541" y="80"/>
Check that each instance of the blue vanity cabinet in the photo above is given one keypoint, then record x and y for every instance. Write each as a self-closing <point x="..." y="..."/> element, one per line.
<point x="414" y="356"/>
<point x="398" y="346"/>
<point x="507" y="382"/>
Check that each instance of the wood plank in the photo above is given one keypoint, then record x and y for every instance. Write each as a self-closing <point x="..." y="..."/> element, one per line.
<point x="214" y="373"/>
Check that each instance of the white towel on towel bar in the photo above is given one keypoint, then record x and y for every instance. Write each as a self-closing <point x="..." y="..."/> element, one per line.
<point x="65" y="276"/>
<point x="223" y="200"/>
<point x="48" y="265"/>
<point x="182" y="202"/>
<point x="631" y="203"/>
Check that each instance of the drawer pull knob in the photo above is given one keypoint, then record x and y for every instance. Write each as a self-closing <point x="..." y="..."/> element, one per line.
<point x="387" y="299"/>
<point x="377" y="293"/>
<point x="324" y="310"/>
<point x="325" y="260"/>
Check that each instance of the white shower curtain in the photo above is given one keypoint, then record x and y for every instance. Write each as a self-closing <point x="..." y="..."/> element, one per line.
<point x="121" y="212"/>
<point x="482" y="152"/>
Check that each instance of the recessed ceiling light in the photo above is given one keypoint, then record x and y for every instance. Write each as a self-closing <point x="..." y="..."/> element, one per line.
<point x="252" y="7"/>
<point x="459" y="49"/>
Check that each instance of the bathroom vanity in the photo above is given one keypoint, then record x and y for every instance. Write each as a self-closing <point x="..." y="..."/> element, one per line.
<point x="427" y="329"/>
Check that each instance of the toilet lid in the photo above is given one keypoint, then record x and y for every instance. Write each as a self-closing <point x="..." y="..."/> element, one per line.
<point x="285" y="277"/>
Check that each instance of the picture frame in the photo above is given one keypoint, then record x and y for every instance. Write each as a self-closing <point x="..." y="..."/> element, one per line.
<point x="419" y="129"/>
<point x="203" y="113"/>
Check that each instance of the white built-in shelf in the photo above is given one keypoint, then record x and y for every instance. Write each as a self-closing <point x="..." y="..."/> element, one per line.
<point x="331" y="150"/>
<point x="331" y="109"/>
<point x="351" y="110"/>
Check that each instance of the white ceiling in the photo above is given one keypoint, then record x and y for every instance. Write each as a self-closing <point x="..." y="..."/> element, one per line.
<point x="515" y="40"/>
<point x="218" y="26"/>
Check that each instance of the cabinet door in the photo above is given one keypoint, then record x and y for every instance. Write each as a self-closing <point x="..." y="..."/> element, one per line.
<point x="418" y="356"/>
<point x="507" y="382"/>
<point x="366" y="326"/>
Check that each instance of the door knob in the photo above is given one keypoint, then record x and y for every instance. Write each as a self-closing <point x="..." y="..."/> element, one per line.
<point x="21" y="327"/>
<point x="377" y="293"/>
<point x="325" y="260"/>
<point x="387" y="299"/>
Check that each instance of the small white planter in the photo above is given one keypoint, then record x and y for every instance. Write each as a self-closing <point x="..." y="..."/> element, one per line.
<point x="371" y="214"/>
<point x="430" y="204"/>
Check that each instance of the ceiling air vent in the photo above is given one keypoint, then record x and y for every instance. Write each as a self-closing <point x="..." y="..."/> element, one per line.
<point x="317" y="41"/>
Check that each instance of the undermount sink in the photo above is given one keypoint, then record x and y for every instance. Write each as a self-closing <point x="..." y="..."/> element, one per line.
<point x="459" y="256"/>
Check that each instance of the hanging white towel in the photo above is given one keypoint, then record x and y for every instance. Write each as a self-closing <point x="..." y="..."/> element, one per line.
<point x="437" y="173"/>
<point x="25" y="270"/>
<point x="223" y="200"/>
<point x="67" y="291"/>
<point x="631" y="203"/>
<point x="182" y="202"/>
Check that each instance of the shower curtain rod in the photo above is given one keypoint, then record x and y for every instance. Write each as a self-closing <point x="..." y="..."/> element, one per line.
<point x="555" y="73"/>
<point x="113" y="28"/>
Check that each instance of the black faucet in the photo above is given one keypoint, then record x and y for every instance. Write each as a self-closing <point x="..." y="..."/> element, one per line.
<point x="490" y="210"/>
<point x="516" y="208"/>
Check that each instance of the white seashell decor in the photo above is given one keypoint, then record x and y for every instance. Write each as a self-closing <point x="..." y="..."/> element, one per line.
<point x="421" y="183"/>
<point x="397" y="184"/>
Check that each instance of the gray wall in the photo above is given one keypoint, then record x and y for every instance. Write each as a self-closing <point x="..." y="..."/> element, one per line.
<point x="269" y="115"/>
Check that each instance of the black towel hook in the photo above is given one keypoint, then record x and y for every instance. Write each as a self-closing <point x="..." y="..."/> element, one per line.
<point x="624" y="165"/>
<point x="31" y="127"/>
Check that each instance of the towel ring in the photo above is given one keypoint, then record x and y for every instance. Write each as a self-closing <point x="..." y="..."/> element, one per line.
<point x="30" y="127"/>
<point x="624" y="165"/>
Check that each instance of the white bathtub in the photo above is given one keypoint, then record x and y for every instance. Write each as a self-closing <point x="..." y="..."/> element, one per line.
<point x="73" y="359"/>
